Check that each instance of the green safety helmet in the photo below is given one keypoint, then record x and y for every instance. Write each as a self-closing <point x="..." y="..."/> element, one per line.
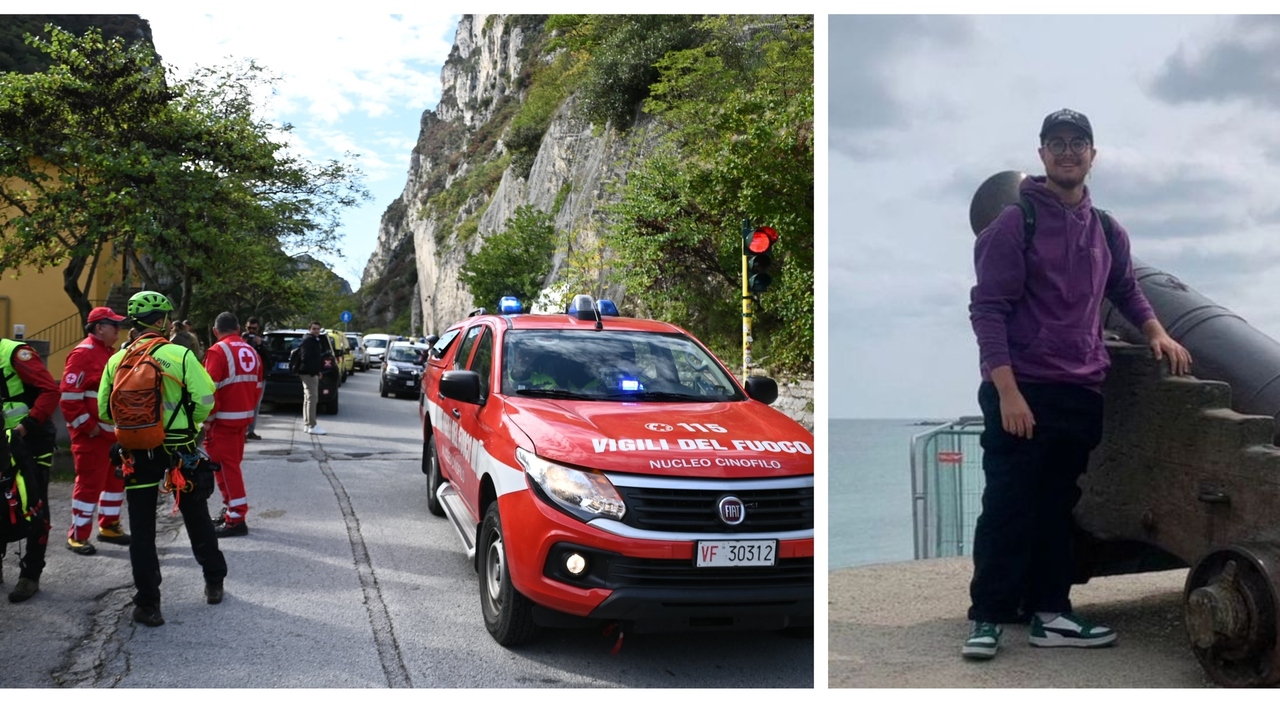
<point x="147" y="302"/>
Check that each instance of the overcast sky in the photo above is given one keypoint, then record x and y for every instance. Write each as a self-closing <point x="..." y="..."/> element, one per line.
<point x="354" y="81"/>
<point x="922" y="109"/>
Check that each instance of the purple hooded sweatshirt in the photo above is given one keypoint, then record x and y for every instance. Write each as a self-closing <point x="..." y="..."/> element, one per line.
<point x="1039" y="310"/>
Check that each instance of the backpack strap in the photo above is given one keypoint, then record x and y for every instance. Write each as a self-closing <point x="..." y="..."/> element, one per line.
<point x="1029" y="225"/>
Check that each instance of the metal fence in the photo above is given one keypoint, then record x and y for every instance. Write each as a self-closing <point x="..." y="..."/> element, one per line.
<point x="946" y="488"/>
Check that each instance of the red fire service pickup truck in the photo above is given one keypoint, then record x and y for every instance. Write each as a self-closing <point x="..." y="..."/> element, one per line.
<point x="607" y="470"/>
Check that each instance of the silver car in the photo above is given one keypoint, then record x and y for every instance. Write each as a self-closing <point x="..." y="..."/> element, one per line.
<point x="357" y="347"/>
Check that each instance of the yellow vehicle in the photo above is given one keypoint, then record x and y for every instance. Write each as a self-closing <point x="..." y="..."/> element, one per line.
<point x="342" y="349"/>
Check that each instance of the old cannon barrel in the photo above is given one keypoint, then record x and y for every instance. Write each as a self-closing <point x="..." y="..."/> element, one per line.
<point x="1223" y="345"/>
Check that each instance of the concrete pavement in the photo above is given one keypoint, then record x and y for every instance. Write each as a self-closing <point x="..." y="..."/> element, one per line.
<point x="902" y="625"/>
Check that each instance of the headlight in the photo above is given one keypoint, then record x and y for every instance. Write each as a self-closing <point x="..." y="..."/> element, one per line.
<point x="585" y="494"/>
<point x="392" y="370"/>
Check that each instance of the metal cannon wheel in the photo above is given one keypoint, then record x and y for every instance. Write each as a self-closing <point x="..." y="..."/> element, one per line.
<point x="1232" y="611"/>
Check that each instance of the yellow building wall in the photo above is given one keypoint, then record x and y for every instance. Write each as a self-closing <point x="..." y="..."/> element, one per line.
<point x="37" y="300"/>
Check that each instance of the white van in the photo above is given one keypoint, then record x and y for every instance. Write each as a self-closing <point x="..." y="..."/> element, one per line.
<point x="375" y="348"/>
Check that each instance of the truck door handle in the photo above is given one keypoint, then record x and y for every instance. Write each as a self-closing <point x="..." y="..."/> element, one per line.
<point x="1214" y="497"/>
<point x="456" y="413"/>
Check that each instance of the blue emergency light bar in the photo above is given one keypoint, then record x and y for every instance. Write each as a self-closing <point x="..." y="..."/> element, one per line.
<point x="607" y="307"/>
<point x="510" y="305"/>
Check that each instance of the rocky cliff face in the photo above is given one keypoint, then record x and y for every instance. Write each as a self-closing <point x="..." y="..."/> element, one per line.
<point x="481" y="85"/>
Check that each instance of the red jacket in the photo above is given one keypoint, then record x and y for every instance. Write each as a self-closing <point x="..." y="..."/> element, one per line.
<point x="80" y="378"/>
<point x="26" y="363"/>
<point x="237" y="374"/>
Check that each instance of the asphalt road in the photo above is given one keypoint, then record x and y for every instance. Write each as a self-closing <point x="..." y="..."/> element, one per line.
<point x="344" y="581"/>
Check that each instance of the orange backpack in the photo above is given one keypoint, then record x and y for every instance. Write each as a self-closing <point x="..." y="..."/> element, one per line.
<point x="137" y="397"/>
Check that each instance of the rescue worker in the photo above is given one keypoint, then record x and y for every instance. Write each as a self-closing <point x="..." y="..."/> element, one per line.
<point x="30" y="396"/>
<point x="528" y="371"/>
<point x="97" y="485"/>
<point x="234" y="367"/>
<point x="188" y="398"/>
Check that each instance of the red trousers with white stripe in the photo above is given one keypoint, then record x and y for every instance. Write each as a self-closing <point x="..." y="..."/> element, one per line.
<point x="225" y="444"/>
<point x="96" y="486"/>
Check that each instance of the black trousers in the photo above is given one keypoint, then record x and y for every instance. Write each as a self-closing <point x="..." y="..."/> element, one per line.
<point x="39" y="444"/>
<point x="1022" y="556"/>
<point x="142" y="522"/>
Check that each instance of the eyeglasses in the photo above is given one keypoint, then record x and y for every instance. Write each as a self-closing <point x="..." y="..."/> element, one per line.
<point x="1058" y="146"/>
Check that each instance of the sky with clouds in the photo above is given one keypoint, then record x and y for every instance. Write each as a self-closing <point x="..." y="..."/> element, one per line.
<point x="349" y="82"/>
<point x="922" y="109"/>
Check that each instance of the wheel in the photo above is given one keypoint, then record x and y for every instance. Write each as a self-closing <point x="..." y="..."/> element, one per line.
<point x="508" y="615"/>
<point x="382" y="389"/>
<point x="431" y="466"/>
<point x="1231" y="615"/>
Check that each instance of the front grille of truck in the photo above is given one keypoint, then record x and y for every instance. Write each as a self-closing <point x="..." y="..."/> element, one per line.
<point x="695" y="511"/>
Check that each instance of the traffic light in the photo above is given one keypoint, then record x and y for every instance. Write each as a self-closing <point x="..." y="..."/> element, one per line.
<point x="756" y="246"/>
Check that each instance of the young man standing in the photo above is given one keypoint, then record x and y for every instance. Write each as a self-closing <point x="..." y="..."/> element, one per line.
<point x="312" y="365"/>
<point x="96" y="482"/>
<point x="236" y="371"/>
<point x="1036" y="311"/>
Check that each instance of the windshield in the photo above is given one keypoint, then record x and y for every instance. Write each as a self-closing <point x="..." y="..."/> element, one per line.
<point x="403" y="354"/>
<point x="375" y="343"/>
<point x="618" y="366"/>
<point x="282" y="343"/>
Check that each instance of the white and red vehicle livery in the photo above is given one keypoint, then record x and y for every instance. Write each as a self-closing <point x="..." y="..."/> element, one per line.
<point x="607" y="469"/>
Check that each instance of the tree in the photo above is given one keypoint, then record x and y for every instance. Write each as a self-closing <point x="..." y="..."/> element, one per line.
<point x="104" y="152"/>
<point x="514" y="261"/>
<point x="738" y="114"/>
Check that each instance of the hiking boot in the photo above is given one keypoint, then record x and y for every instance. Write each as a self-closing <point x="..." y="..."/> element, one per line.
<point x="222" y="517"/>
<point x="113" y="534"/>
<point x="213" y="593"/>
<point x="24" y="590"/>
<point x="226" y="529"/>
<point x="149" y="616"/>
<point x="983" y="641"/>
<point x="1069" y="630"/>
<point x="84" y="548"/>
<point x="252" y="437"/>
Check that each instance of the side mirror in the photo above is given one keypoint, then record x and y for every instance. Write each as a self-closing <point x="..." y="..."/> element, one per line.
<point x="461" y="385"/>
<point x="762" y="389"/>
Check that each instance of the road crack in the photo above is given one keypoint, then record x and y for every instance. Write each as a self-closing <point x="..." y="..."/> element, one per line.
<point x="384" y="635"/>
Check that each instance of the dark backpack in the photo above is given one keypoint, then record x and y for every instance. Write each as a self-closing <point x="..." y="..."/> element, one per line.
<point x="19" y="501"/>
<point x="1029" y="225"/>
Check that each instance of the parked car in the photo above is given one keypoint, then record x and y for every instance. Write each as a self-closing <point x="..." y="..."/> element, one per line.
<point x="356" y="340"/>
<point x="604" y="469"/>
<point x="282" y="385"/>
<point x="342" y="351"/>
<point x="402" y="369"/>
<point x="375" y="347"/>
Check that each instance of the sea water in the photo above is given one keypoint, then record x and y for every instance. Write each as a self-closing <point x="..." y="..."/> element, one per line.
<point x="869" y="490"/>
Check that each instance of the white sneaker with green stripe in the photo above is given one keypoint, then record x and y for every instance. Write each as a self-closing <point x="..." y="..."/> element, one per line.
<point x="983" y="641"/>
<point x="1069" y="630"/>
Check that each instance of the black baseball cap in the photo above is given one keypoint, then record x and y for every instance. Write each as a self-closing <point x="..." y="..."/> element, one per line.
<point x="1067" y="117"/>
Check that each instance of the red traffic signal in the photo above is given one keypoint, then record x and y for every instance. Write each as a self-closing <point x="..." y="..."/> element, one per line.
<point x="761" y="239"/>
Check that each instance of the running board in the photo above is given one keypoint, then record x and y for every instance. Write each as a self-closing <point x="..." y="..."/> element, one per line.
<point x="456" y="510"/>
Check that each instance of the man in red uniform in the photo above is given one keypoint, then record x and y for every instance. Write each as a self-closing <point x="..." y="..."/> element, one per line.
<point x="28" y="397"/>
<point x="237" y="373"/>
<point x="91" y="439"/>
